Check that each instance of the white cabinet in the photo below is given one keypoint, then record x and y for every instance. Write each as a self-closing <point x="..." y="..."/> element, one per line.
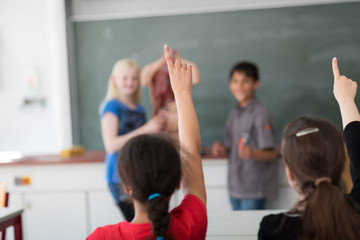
<point x="55" y="216"/>
<point x="68" y="201"/>
<point x="215" y="173"/>
<point x="102" y="209"/>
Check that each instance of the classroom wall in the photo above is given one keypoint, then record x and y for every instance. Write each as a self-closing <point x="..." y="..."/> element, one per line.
<point x="32" y="35"/>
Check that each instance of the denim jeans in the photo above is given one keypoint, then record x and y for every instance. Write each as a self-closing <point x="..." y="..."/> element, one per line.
<point x="247" y="203"/>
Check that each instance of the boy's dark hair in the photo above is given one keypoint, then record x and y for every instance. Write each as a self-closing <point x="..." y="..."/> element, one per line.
<point x="248" y="68"/>
<point x="151" y="164"/>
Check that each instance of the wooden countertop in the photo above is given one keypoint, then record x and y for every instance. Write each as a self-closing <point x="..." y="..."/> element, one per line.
<point x="88" y="157"/>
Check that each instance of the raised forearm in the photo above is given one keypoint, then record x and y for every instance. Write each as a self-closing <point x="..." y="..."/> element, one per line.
<point x="349" y="112"/>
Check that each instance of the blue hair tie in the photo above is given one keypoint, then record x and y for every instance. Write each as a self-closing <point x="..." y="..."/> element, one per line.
<point x="154" y="195"/>
<point x="160" y="238"/>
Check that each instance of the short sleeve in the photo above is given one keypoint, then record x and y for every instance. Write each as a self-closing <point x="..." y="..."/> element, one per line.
<point x="191" y="213"/>
<point x="110" y="106"/>
<point x="264" y="130"/>
<point x="94" y="235"/>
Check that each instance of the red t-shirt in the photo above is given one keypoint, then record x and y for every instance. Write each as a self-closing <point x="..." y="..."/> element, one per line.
<point x="188" y="221"/>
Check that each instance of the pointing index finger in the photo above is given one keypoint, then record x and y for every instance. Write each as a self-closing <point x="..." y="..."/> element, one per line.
<point x="168" y="58"/>
<point x="335" y="68"/>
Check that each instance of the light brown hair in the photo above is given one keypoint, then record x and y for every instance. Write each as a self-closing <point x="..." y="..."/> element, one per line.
<point x="326" y="212"/>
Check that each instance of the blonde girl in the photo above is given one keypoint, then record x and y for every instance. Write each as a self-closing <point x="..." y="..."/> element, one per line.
<point x="121" y="119"/>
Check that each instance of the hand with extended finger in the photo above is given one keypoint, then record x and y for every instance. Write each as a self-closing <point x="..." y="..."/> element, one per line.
<point x="180" y="74"/>
<point x="344" y="88"/>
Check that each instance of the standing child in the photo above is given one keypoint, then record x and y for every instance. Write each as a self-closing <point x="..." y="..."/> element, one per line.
<point x="250" y="140"/>
<point x="121" y="119"/>
<point x="314" y="155"/>
<point x="151" y="170"/>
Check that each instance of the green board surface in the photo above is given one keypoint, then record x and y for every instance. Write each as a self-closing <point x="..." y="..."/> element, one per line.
<point x="293" y="48"/>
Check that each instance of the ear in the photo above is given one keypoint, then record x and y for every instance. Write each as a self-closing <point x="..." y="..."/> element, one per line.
<point x="178" y="186"/>
<point x="127" y="189"/>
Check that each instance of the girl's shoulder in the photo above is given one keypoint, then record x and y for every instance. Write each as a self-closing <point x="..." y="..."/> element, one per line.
<point x="112" y="105"/>
<point x="280" y="226"/>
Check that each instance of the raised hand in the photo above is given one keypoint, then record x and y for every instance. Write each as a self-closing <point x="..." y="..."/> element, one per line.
<point x="344" y="88"/>
<point x="345" y="92"/>
<point x="189" y="131"/>
<point x="180" y="74"/>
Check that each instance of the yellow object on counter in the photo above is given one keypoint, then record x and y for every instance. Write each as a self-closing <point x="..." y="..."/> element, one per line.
<point x="72" y="152"/>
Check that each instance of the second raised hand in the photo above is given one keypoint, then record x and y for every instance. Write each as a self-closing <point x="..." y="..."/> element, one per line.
<point x="345" y="92"/>
<point x="344" y="88"/>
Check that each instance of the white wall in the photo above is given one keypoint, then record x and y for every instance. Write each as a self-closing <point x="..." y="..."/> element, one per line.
<point x="32" y="34"/>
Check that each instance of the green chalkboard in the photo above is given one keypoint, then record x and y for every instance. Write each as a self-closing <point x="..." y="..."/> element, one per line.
<point x="293" y="48"/>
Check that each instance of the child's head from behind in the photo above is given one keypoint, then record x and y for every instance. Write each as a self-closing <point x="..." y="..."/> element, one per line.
<point x="313" y="148"/>
<point x="314" y="154"/>
<point x="147" y="165"/>
<point x="244" y="80"/>
<point x="124" y="80"/>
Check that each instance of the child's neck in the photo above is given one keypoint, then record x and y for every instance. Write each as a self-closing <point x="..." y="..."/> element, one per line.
<point x="127" y="100"/>
<point x="140" y="214"/>
<point x="244" y="103"/>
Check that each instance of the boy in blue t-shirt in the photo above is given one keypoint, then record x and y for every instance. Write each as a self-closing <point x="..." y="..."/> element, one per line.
<point x="250" y="141"/>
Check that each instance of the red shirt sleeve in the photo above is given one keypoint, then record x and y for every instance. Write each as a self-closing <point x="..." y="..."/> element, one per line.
<point x="189" y="219"/>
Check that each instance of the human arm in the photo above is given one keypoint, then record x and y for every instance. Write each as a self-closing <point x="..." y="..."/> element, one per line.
<point x="345" y="92"/>
<point x="189" y="131"/>
<point x="264" y="155"/>
<point x="264" y="134"/>
<point x="110" y="126"/>
<point x="223" y="149"/>
<point x="149" y="70"/>
<point x="196" y="76"/>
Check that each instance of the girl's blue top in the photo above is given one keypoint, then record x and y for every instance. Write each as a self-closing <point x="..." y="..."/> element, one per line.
<point x="129" y="120"/>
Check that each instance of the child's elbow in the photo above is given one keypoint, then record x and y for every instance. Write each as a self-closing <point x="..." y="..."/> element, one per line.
<point x="110" y="148"/>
